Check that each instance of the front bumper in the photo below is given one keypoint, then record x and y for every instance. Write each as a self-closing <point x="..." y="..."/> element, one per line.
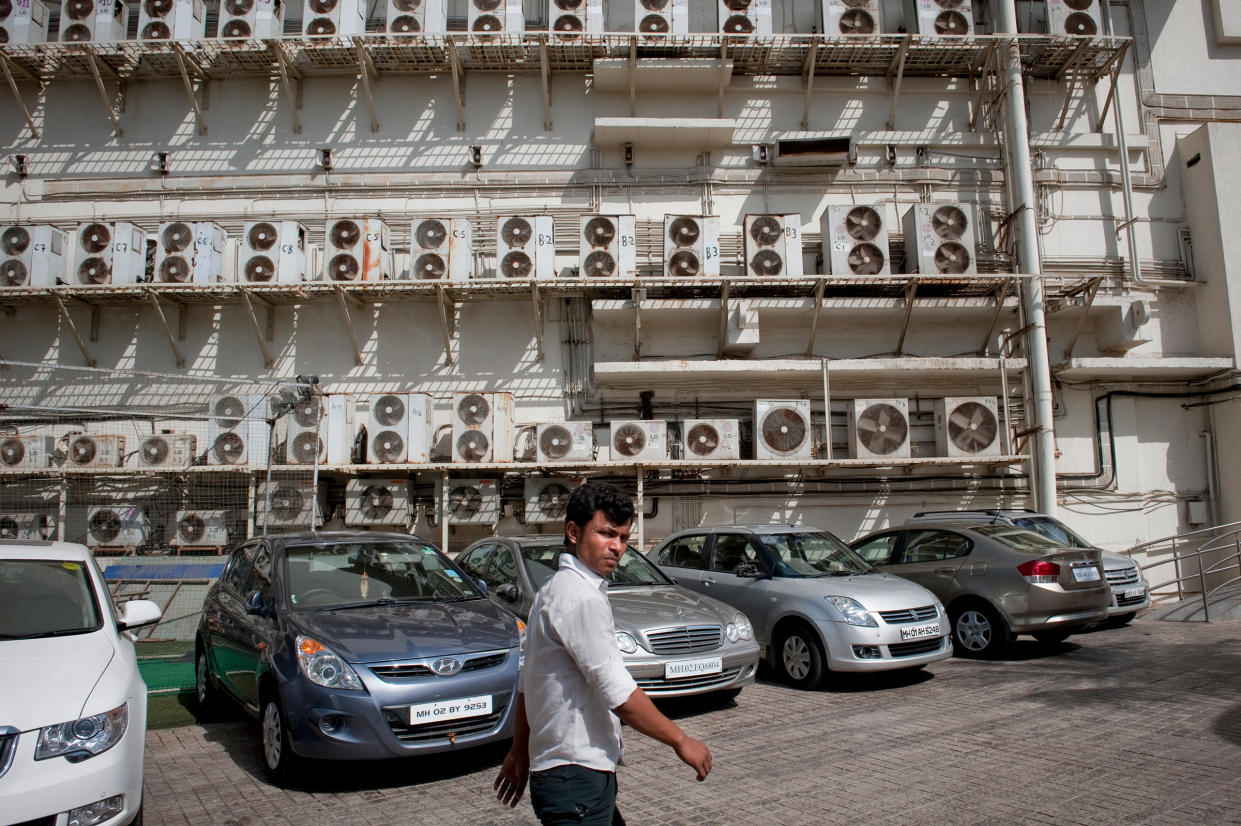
<point x="867" y="648"/>
<point x="33" y="789"/>
<point x="1129" y="597"/>
<point x="739" y="665"/>
<point x="375" y="724"/>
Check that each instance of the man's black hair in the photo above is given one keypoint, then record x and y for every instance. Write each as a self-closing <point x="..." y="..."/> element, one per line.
<point x="595" y="496"/>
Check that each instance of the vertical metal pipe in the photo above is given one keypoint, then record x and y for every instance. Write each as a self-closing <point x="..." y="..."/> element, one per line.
<point x="639" y="510"/>
<point x="1018" y="174"/>
<point x="827" y="413"/>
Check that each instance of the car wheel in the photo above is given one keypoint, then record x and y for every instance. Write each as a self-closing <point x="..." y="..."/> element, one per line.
<point x="977" y="631"/>
<point x="278" y="757"/>
<point x="1052" y="637"/>
<point x="799" y="657"/>
<point x="206" y="693"/>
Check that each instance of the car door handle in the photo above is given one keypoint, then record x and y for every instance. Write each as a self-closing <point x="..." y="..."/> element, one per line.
<point x="708" y="582"/>
<point x="944" y="570"/>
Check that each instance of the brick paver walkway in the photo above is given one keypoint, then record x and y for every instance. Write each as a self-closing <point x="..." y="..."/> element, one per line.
<point x="1133" y="725"/>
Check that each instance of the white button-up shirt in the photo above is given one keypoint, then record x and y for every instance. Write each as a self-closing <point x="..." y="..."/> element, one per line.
<point x="574" y="675"/>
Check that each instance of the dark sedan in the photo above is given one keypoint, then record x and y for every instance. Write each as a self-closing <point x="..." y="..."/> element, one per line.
<point x="356" y="645"/>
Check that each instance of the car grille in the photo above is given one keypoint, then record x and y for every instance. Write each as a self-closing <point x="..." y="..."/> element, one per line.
<point x="8" y="745"/>
<point x="1122" y="576"/>
<point x="912" y="649"/>
<point x="926" y="612"/>
<point x="660" y="685"/>
<point x="1122" y="600"/>
<point x="684" y="639"/>
<point x="391" y="672"/>
<point x="398" y="720"/>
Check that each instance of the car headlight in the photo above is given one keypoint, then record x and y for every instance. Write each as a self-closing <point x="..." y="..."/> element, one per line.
<point x="323" y="666"/>
<point x="739" y="629"/>
<point x="78" y="740"/>
<point x="852" y="611"/>
<point x="625" y="642"/>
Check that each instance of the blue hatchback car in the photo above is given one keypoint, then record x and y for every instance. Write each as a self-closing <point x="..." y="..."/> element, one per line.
<point x="356" y="645"/>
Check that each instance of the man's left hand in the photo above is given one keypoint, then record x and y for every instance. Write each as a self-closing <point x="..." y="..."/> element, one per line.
<point x="510" y="783"/>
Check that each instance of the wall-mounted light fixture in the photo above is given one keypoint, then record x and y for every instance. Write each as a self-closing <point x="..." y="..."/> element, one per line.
<point x="19" y="165"/>
<point x="628" y="155"/>
<point x="159" y="163"/>
<point x="325" y="158"/>
<point x="476" y="156"/>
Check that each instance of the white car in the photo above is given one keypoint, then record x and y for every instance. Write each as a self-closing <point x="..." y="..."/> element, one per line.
<point x="73" y="706"/>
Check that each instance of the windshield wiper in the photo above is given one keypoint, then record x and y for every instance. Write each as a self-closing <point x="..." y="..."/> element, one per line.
<point x="63" y="632"/>
<point x="372" y="602"/>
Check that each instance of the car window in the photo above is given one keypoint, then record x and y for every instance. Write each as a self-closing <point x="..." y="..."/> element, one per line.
<point x="260" y="572"/>
<point x="503" y="570"/>
<point x="933" y="546"/>
<point x="46" y="598"/>
<point x="879" y="550"/>
<point x="475" y="561"/>
<point x="541" y="561"/>
<point x="633" y="569"/>
<point x="1056" y="531"/>
<point x="1017" y="538"/>
<point x="686" y="552"/>
<point x="238" y="570"/>
<point x="732" y="549"/>
<point x="805" y="553"/>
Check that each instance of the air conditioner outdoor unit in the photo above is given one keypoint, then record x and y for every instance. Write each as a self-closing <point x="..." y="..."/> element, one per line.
<point x="273" y="251"/>
<point x="845" y="17"/>
<point x="32" y="256"/>
<point x="940" y="239"/>
<point x="607" y="246"/>
<point x="95" y="450"/>
<point x="100" y="21"/>
<point x="330" y="18"/>
<point x="254" y="19"/>
<point x="773" y="246"/>
<point x="358" y="249"/>
<point x="855" y="239"/>
<point x="320" y="430"/>
<point x="472" y="502"/>
<point x="168" y="450"/>
<point x="945" y="18"/>
<point x="571" y="18"/>
<point x="237" y="430"/>
<point x="189" y="253"/>
<point x="639" y="441"/>
<point x="967" y="426"/>
<point x="115" y="525"/>
<point x="171" y="20"/>
<point x="656" y="17"/>
<point x="286" y="503"/>
<point x="400" y="428"/>
<point x="879" y="429"/>
<point x="782" y="429"/>
<point x="565" y="442"/>
<point x="416" y="16"/>
<point x="198" y="527"/>
<point x="378" y="502"/>
<point x="482" y="427"/>
<point x="745" y="17"/>
<point x="110" y="254"/>
<point x="27" y="452"/>
<point x="36" y="526"/>
<point x="691" y="246"/>
<point x="23" y="22"/>
<point x="441" y="248"/>
<point x="495" y="16"/>
<point x="710" y="439"/>
<point x="525" y="247"/>
<point x="548" y="499"/>
<point x="1076" y="17"/>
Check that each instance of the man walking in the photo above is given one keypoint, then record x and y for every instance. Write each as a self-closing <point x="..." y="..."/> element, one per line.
<point x="574" y="686"/>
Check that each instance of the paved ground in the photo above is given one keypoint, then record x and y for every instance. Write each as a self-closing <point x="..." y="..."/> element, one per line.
<point x="1134" y="725"/>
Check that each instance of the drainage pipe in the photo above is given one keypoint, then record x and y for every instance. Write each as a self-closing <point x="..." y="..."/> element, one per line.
<point x="1018" y="174"/>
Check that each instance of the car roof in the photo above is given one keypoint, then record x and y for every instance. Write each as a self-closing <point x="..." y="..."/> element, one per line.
<point x="304" y="537"/>
<point x="42" y="549"/>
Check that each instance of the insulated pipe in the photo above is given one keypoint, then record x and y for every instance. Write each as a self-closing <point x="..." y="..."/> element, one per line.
<point x="1020" y="179"/>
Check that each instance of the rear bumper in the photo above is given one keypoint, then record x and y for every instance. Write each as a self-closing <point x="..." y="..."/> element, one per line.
<point x="1050" y="607"/>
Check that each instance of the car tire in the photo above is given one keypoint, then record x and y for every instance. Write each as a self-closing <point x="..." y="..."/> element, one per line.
<point x="977" y="631"/>
<point x="206" y="693"/>
<point x="799" y="657"/>
<point x="278" y="757"/>
<point x="1053" y="637"/>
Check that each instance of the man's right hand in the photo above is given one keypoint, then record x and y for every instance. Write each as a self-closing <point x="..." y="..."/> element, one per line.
<point x="696" y="755"/>
<point x="510" y="784"/>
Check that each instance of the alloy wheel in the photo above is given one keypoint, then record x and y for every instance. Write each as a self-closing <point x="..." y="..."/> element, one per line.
<point x="974" y="630"/>
<point x="796" y="656"/>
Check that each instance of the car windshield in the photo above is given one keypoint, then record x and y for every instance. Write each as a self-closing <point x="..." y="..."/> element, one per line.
<point x="1019" y="539"/>
<point x="46" y="598"/>
<point x="333" y="574"/>
<point x="812" y="554"/>
<point x="1056" y="531"/>
<point x="541" y="562"/>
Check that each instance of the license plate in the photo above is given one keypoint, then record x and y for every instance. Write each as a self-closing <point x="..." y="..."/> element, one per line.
<point x="693" y="668"/>
<point x="920" y="631"/>
<point x="1085" y="573"/>
<point x="1134" y="593"/>
<point x="424" y="713"/>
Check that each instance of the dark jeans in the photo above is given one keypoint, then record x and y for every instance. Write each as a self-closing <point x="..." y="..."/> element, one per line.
<point x="575" y="794"/>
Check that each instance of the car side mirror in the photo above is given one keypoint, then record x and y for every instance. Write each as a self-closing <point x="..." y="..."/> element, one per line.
<point x="747" y="569"/>
<point x="509" y="592"/>
<point x="256" y="607"/>
<point x="139" y="612"/>
<point x="482" y="585"/>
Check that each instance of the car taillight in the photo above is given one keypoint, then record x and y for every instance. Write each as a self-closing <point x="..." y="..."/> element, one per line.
<point x="1040" y="571"/>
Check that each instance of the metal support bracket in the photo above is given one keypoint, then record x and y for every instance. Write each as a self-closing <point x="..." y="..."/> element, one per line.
<point x="1001" y="292"/>
<point x="249" y="300"/>
<point x="633" y="77"/>
<point x="96" y="67"/>
<point x="807" y="74"/>
<point x="458" y="82"/>
<point x="638" y="295"/>
<point x="366" y="73"/>
<point x="1111" y="92"/>
<point x="1091" y="288"/>
<point x="9" y="68"/>
<point x="896" y="74"/>
<point x="723" y="339"/>
<point x="183" y="64"/>
<point x="344" y="300"/>
<point x="545" y="72"/>
<point x="819" y="287"/>
<point x="911" y="292"/>
<point x="1070" y="70"/>
<point x="163" y="323"/>
<point x="73" y="330"/>
<point x="536" y="298"/>
<point x="287" y="70"/>
<point x="984" y="69"/>
<point x="448" y="320"/>
<point x="719" y="102"/>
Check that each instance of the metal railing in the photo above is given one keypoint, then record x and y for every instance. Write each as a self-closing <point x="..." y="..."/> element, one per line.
<point x="1199" y="546"/>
